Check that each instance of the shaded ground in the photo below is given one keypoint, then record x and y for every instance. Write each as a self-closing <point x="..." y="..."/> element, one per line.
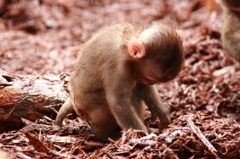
<point x="44" y="36"/>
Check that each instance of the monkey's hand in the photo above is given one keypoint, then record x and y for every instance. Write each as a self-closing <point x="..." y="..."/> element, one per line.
<point x="164" y="122"/>
<point x="153" y="130"/>
<point x="155" y="105"/>
<point x="163" y="116"/>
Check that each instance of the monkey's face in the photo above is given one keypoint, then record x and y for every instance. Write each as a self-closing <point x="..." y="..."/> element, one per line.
<point x="152" y="73"/>
<point x="148" y="75"/>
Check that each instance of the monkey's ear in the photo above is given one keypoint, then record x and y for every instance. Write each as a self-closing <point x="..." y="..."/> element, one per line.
<point x="136" y="49"/>
<point x="180" y="32"/>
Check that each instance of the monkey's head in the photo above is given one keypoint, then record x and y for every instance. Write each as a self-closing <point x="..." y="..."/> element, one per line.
<point x="158" y="54"/>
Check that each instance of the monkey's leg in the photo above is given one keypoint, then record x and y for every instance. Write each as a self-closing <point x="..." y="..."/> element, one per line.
<point x="103" y="124"/>
<point x="64" y="110"/>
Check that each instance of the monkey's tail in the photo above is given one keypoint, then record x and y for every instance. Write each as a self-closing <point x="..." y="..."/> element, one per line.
<point x="64" y="110"/>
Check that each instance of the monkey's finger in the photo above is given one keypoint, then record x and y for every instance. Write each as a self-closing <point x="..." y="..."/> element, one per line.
<point x="164" y="122"/>
<point x="153" y="130"/>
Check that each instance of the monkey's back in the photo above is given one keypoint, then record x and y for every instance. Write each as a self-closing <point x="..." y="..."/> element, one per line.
<point x="100" y="52"/>
<point x="99" y="58"/>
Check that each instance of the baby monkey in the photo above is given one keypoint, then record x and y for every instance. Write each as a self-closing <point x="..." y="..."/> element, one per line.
<point x="115" y="73"/>
<point x="231" y="27"/>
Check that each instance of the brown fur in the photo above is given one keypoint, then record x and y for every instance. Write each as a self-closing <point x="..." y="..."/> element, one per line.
<point x="106" y="87"/>
<point x="231" y="27"/>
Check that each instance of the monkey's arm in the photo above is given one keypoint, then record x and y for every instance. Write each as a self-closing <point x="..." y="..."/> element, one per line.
<point x="118" y="95"/>
<point x="151" y="98"/>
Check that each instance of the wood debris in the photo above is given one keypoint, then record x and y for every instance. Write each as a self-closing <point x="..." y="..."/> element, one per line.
<point x="43" y="37"/>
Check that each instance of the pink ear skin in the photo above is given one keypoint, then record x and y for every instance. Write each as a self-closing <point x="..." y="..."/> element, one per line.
<point x="136" y="49"/>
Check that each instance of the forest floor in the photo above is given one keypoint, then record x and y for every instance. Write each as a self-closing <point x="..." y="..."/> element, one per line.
<point x="41" y="37"/>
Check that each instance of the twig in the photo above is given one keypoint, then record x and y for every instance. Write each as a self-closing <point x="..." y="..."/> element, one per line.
<point x="198" y="132"/>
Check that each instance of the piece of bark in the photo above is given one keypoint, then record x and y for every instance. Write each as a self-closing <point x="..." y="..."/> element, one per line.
<point x="198" y="132"/>
<point x="36" y="143"/>
<point x="28" y="97"/>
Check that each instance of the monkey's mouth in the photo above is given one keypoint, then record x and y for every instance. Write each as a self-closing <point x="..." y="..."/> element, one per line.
<point x="147" y="81"/>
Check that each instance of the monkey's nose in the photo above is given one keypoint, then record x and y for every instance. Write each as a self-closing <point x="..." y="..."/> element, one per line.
<point x="148" y="82"/>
